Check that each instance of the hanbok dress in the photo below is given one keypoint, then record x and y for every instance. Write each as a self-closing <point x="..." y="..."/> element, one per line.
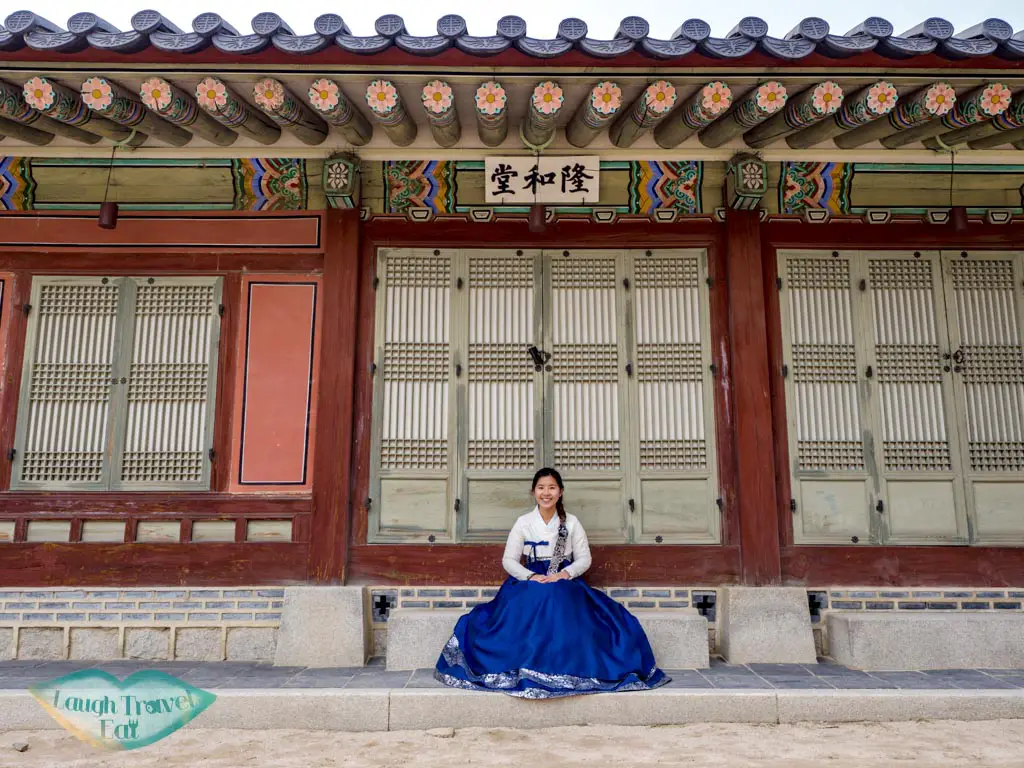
<point x="541" y="641"/>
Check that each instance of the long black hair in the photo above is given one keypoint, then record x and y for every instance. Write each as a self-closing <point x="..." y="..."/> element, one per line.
<point x="552" y="473"/>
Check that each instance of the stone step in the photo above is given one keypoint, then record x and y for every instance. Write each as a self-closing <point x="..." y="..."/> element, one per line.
<point x="904" y="640"/>
<point x="679" y="638"/>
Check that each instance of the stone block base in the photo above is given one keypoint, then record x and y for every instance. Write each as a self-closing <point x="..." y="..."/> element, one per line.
<point x="323" y="627"/>
<point x="679" y="639"/>
<point x="766" y="625"/>
<point x="94" y="643"/>
<point x="896" y="641"/>
<point x="416" y="636"/>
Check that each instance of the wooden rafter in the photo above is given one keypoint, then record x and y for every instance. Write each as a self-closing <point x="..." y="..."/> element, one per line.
<point x="648" y="109"/>
<point x="180" y="108"/>
<point x="225" y="106"/>
<point x="759" y="104"/>
<point x="123" y="107"/>
<point x="285" y="109"/>
<point x="326" y="98"/>
<point x="387" y="108"/>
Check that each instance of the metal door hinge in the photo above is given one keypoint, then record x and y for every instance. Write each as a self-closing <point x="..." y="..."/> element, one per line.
<point x="710" y="282"/>
<point x="792" y="506"/>
<point x="11" y="454"/>
<point x="778" y="283"/>
<point x="458" y="504"/>
<point x="714" y="369"/>
<point x="220" y="310"/>
<point x="373" y="369"/>
<point x="785" y="371"/>
<point x="720" y="502"/>
<point x="27" y="308"/>
<point x="376" y="282"/>
<point x="212" y="454"/>
<point x="369" y="502"/>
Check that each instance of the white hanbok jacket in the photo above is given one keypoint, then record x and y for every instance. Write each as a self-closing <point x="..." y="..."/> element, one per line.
<point x="532" y="537"/>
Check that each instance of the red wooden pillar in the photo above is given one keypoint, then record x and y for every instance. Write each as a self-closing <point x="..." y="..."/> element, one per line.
<point x="754" y="451"/>
<point x="328" y="537"/>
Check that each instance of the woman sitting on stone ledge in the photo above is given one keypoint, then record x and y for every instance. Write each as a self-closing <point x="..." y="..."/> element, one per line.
<point x="547" y="633"/>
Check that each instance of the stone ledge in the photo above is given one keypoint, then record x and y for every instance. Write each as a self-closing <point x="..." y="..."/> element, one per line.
<point x="898" y="706"/>
<point x="907" y="641"/>
<point x="417" y="709"/>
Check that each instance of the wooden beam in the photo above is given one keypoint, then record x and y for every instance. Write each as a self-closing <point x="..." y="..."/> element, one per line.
<point x="541" y="113"/>
<point x="755" y="455"/>
<point x="177" y="107"/>
<point x="919" y="107"/>
<point x="760" y="103"/>
<point x="227" y="108"/>
<point x="24" y="133"/>
<point x="385" y="103"/>
<point x="980" y="104"/>
<point x="491" y="113"/>
<point x="863" y="107"/>
<point x="13" y="324"/>
<point x="124" y="108"/>
<point x="903" y="566"/>
<point x="117" y="565"/>
<point x="152" y="504"/>
<point x="596" y="110"/>
<point x="1014" y="137"/>
<point x="326" y="97"/>
<point x="14" y="107"/>
<point x="996" y="128"/>
<point x="620" y="564"/>
<point x="700" y="110"/>
<point x="804" y="109"/>
<point x="285" y="109"/>
<point x="332" y="461"/>
<point x="64" y="105"/>
<point x="439" y="107"/>
<point x="648" y="109"/>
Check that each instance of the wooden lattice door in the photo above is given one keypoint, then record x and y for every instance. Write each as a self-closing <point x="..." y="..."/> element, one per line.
<point x="984" y="298"/>
<point x="593" y="361"/>
<point x="905" y="396"/>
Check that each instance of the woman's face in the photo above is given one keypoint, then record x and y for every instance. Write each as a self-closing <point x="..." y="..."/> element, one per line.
<point x="546" y="492"/>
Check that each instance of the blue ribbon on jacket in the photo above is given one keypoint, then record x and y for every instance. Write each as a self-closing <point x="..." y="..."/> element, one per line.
<point x="533" y="555"/>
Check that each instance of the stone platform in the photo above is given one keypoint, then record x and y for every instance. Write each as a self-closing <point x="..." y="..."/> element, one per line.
<point x="260" y="696"/>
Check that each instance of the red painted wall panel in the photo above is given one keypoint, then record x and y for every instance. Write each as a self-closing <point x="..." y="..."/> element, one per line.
<point x="276" y="390"/>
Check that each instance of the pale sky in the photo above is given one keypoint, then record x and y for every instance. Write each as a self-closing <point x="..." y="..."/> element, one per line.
<point x="601" y="16"/>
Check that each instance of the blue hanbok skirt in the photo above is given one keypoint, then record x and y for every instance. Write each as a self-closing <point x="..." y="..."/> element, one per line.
<point x="541" y="641"/>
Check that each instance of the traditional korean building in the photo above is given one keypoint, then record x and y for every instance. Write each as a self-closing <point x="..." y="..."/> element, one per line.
<point x="287" y="309"/>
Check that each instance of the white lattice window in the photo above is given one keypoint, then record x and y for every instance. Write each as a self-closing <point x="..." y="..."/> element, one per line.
<point x="118" y="384"/>
<point x="905" y="396"/>
<point x="593" y="361"/>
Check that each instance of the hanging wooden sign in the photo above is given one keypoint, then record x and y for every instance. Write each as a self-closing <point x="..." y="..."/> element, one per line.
<point x="525" y="180"/>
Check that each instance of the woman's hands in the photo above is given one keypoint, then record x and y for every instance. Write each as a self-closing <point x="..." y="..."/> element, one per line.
<point x="545" y="579"/>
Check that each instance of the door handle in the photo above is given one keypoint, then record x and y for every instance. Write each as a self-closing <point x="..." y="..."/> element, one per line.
<point x="539" y="356"/>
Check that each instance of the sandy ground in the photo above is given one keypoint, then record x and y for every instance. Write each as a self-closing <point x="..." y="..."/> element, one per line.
<point x="993" y="743"/>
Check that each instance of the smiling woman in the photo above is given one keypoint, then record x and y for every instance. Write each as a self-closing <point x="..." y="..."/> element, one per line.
<point x="546" y="633"/>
